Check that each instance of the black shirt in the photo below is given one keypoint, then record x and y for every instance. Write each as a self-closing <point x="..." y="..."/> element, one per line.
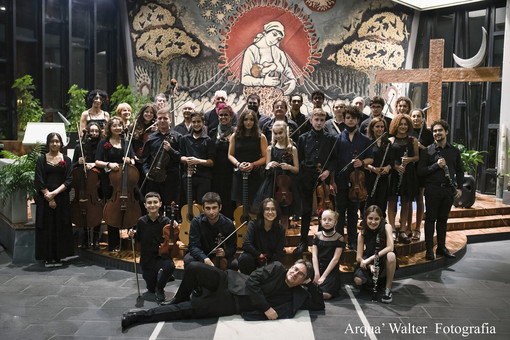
<point x="329" y="127"/>
<point x="314" y="147"/>
<point x="150" y="235"/>
<point x="299" y="119"/>
<point x="202" y="236"/>
<point x="151" y="148"/>
<point x="431" y="172"/>
<point x="426" y="137"/>
<point x="182" y="129"/>
<point x="203" y="148"/>
<point x="259" y="241"/>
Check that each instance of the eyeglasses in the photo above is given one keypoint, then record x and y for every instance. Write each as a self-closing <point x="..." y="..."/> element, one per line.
<point x="224" y="115"/>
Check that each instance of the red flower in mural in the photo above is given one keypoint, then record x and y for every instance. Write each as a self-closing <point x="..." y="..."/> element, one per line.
<point x="108" y="145"/>
<point x="62" y="164"/>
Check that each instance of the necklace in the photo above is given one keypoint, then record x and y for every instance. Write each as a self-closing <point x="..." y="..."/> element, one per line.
<point x="325" y="235"/>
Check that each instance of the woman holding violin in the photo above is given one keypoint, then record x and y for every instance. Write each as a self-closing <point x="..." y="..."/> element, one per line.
<point x="144" y="126"/>
<point x="53" y="231"/>
<point x="404" y="178"/>
<point x="223" y="170"/>
<point x="87" y="206"/>
<point x="110" y="156"/>
<point x="282" y="166"/>
<point x="377" y="173"/>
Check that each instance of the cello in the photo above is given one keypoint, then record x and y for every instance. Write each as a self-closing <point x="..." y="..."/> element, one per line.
<point x="122" y="210"/>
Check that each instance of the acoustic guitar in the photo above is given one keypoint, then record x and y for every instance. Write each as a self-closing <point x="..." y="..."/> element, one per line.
<point x="242" y="212"/>
<point x="190" y="210"/>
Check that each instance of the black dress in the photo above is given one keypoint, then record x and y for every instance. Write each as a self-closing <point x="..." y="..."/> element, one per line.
<point x="53" y="232"/>
<point x="408" y="188"/>
<point x="326" y="246"/>
<point x="247" y="149"/>
<point x="268" y="189"/>
<point x="222" y="174"/>
<point x="380" y="196"/>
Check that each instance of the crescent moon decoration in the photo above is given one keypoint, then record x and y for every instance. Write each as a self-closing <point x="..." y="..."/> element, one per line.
<point x="478" y="58"/>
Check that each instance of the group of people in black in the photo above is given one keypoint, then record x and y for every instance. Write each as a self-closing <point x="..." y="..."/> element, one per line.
<point x="367" y="163"/>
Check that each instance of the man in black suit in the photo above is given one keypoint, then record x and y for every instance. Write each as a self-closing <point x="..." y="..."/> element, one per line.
<point x="269" y="293"/>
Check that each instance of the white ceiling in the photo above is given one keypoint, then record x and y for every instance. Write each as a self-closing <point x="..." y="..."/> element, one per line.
<point x="425" y="5"/>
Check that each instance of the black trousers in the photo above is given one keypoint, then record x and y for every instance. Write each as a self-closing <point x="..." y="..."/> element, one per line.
<point x="344" y="204"/>
<point x="248" y="263"/>
<point x="151" y="270"/>
<point x="199" y="187"/>
<point x="169" y="189"/>
<point x="307" y="181"/>
<point x="439" y="203"/>
<point x="188" y="258"/>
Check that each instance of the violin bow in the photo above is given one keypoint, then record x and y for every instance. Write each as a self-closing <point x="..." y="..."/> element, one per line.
<point x="226" y="238"/>
<point x="139" y="300"/>
<point x="82" y="153"/>
<point x="326" y="162"/>
<point x="362" y="152"/>
<point x="299" y="128"/>
<point x="423" y="123"/>
<point x="129" y="145"/>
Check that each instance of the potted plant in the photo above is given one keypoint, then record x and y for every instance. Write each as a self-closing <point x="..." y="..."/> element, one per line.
<point x="28" y="107"/>
<point x="17" y="183"/>
<point x="470" y="161"/>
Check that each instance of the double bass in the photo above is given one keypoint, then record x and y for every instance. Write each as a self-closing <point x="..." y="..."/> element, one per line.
<point x="86" y="208"/>
<point x="122" y="210"/>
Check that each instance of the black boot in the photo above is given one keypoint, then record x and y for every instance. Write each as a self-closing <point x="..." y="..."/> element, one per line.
<point x="132" y="318"/>
<point x="95" y="240"/>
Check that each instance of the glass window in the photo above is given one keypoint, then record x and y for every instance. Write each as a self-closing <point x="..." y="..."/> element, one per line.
<point x="497" y="57"/>
<point x="473" y="117"/>
<point x="495" y="103"/>
<point x="476" y="21"/>
<point x="444" y="29"/>
<point x="499" y="20"/>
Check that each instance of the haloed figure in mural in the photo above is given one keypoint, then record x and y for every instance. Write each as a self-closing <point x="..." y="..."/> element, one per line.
<point x="266" y="65"/>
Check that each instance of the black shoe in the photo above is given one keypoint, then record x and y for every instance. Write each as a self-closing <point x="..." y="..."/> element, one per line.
<point x="445" y="252"/>
<point x="172" y="301"/>
<point x="300" y="249"/>
<point x="387" y="296"/>
<point x="402" y="238"/>
<point x="160" y="294"/>
<point x="128" y="319"/>
<point x="430" y="256"/>
<point x="171" y="278"/>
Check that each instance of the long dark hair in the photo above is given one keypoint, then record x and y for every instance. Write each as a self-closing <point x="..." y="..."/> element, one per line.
<point x="50" y="137"/>
<point x="241" y="130"/>
<point x="364" y="224"/>
<point x="140" y="122"/>
<point x="260" y="213"/>
<point x="104" y="98"/>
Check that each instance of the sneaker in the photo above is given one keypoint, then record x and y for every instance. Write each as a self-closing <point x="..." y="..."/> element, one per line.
<point x="387" y="296"/>
<point x="160" y="294"/>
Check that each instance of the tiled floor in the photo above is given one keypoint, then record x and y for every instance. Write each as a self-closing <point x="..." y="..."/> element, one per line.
<point x="85" y="301"/>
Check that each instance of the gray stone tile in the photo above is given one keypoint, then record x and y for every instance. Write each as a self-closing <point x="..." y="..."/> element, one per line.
<point x="437" y="291"/>
<point x="477" y="301"/>
<point x="108" y="292"/>
<point x="460" y="313"/>
<point x="194" y="329"/>
<point x="99" y="328"/>
<point x="380" y="309"/>
<point x="502" y="313"/>
<point x="5" y="277"/>
<point x="87" y="313"/>
<point x="35" y="279"/>
<point x="493" y="292"/>
<point x="55" y="327"/>
<point x="77" y="301"/>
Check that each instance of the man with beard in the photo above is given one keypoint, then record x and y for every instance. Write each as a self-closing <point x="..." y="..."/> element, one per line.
<point x="279" y="112"/>
<point x="198" y="150"/>
<point x="253" y="103"/>
<point x="185" y="126"/>
<point x="269" y="293"/>
<point x="303" y="123"/>
<point x="440" y="165"/>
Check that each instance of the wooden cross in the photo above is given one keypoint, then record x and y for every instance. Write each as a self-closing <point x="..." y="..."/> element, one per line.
<point x="435" y="75"/>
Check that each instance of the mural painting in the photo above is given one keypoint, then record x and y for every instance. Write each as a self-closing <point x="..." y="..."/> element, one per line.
<point x="269" y="47"/>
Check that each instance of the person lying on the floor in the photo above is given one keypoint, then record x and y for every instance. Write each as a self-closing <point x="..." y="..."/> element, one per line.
<point x="269" y="293"/>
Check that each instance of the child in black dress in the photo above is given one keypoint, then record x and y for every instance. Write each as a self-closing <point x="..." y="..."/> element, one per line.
<point x="328" y="246"/>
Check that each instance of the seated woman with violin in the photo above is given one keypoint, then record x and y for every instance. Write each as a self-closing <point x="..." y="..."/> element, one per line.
<point x="110" y="155"/>
<point x="157" y="268"/>
<point x="282" y="166"/>
<point x="264" y="240"/>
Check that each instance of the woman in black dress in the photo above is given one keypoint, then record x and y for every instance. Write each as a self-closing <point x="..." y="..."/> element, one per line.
<point x="53" y="232"/>
<point x="109" y="156"/>
<point x="404" y="178"/>
<point x="247" y="152"/>
<point x="97" y="100"/>
<point x="380" y="167"/>
<point x="223" y="169"/>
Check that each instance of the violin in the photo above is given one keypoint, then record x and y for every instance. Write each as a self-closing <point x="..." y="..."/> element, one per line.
<point x="283" y="194"/>
<point x="170" y="236"/>
<point x="322" y="194"/>
<point x="357" y="190"/>
<point x="220" y="261"/>
<point x="157" y="172"/>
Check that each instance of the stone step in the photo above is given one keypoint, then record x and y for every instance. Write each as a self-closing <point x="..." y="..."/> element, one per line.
<point x="478" y="222"/>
